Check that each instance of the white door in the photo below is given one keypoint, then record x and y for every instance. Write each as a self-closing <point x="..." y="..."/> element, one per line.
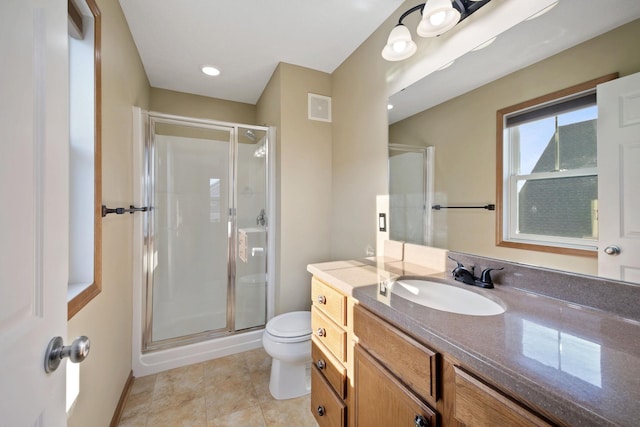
<point x="33" y="208"/>
<point x="619" y="178"/>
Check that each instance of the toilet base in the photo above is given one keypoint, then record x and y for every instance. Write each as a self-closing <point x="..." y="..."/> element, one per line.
<point x="289" y="380"/>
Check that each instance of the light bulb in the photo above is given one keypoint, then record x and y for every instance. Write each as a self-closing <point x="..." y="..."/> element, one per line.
<point x="437" y="18"/>
<point x="399" y="46"/>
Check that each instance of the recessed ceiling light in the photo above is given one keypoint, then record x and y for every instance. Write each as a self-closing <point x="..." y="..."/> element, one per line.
<point x="389" y="106"/>
<point x="210" y="71"/>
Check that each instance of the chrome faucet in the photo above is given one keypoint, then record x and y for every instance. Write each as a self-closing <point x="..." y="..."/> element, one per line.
<point x="464" y="275"/>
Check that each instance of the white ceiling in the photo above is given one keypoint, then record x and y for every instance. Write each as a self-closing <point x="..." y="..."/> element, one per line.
<point x="246" y="39"/>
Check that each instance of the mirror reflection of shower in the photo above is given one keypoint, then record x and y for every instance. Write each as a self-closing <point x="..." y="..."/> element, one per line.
<point x="411" y="187"/>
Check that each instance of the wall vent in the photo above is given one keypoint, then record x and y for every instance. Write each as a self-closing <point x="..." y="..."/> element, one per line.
<point x="319" y="107"/>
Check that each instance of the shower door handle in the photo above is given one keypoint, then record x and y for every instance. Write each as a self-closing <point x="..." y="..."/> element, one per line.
<point x="261" y="218"/>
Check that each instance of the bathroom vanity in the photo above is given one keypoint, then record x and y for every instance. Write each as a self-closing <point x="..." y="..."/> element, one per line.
<point x="556" y="356"/>
<point x="330" y="345"/>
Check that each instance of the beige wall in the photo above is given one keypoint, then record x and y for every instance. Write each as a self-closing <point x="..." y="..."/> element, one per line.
<point x="464" y="134"/>
<point x="185" y="104"/>
<point x="359" y="157"/>
<point x="106" y="320"/>
<point x="303" y="155"/>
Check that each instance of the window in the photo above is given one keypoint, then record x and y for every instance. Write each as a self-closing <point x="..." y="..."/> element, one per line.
<point x="85" y="196"/>
<point x="547" y="172"/>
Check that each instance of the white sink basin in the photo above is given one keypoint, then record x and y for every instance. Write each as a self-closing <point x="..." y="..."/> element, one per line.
<point x="445" y="297"/>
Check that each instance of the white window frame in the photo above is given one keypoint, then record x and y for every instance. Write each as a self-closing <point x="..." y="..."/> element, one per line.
<point x="507" y="179"/>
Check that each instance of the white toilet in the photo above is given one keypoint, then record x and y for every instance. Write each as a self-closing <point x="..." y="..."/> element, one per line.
<point x="287" y="339"/>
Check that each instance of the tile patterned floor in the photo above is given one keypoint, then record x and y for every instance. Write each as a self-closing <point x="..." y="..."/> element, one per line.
<point x="230" y="391"/>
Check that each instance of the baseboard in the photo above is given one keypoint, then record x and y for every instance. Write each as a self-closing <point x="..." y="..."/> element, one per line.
<point x="117" y="414"/>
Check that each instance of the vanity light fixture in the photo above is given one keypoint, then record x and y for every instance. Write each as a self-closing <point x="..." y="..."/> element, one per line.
<point x="438" y="17"/>
<point x="210" y="70"/>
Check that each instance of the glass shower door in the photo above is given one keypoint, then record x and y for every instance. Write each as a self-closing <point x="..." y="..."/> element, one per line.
<point x="252" y="227"/>
<point x="410" y="193"/>
<point x="190" y="168"/>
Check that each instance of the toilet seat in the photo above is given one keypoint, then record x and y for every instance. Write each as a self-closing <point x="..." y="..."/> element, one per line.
<point x="290" y="327"/>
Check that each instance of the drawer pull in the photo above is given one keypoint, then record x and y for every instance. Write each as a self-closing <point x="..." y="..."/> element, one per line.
<point x="321" y="364"/>
<point x="321" y="332"/>
<point x="420" y="421"/>
<point x="321" y="411"/>
<point x="322" y="299"/>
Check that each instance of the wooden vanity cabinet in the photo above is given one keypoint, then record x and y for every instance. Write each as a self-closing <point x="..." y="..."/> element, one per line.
<point x="327" y="408"/>
<point x="391" y="379"/>
<point x="479" y="404"/>
<point x="410" y="361"/>
<point x="382" y="400"/>
<point x="330" y="351"/>
<point x="396" y="377"/>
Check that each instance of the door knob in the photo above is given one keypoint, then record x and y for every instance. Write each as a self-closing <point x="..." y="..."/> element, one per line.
<point x="56" y="351"/>
<point x="612" y="250"/>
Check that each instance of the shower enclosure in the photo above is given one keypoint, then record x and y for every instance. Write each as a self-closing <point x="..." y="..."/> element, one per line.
<point x="206" y="234"/>
<point x="411" y="187"/>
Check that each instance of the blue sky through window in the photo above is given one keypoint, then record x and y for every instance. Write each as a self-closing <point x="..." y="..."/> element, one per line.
<point x="535" y="136"/>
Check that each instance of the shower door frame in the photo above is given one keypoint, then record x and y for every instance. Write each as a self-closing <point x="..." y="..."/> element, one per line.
<point x="149" y="119"/>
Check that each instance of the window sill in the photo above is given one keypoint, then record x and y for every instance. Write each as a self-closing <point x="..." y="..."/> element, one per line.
<point x="79" y="295"/>
<point x="591" y="253"/>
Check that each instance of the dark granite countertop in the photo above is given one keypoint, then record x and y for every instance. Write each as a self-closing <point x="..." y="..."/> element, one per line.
<point x="578" y="363"/>
<point x="567" y="344"/>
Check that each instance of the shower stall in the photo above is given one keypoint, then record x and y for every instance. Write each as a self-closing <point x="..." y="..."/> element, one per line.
<point x="205" y="243"/>
<point x="411" y="187"/>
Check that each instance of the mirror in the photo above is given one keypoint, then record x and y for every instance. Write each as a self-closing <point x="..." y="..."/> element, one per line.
<point x="454" y="110"/>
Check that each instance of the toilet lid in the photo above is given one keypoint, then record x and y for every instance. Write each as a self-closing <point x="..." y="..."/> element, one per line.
<point x="290" y="325"/>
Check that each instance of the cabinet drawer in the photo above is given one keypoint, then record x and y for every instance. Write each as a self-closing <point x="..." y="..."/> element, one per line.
<point x="331" y="369"/>
<point x="409" y="360"/>
<point x="478" y="404"/>
<point x="330" y="301"/>
<point x="328" y="333"/>
<point x="328" y="409"/>
<point x="382" y="400"/>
